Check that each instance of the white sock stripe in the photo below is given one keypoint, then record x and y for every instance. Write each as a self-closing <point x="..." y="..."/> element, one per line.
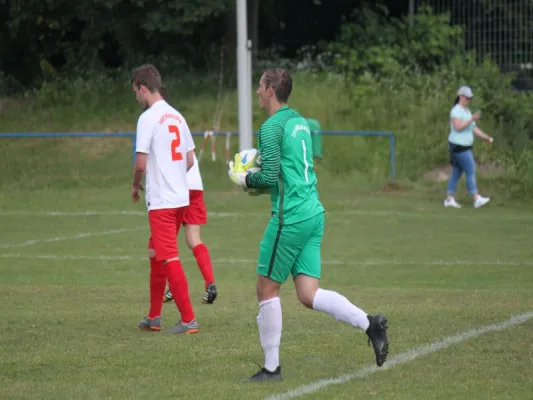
<point x="88" y="213"/>
<point x="270" y="324"/>
<point x="340" y="308"/>
<point x="272" y="300"/>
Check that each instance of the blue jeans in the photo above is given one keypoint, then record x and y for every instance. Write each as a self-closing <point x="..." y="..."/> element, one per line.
<point x="463" y="162"/>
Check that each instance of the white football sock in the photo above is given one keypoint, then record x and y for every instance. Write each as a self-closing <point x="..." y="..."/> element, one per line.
<point x="269" y="322"/>
<point x="340" y="308"/>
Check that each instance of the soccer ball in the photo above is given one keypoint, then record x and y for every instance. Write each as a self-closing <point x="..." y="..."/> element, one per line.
<point x="251" y="160"/>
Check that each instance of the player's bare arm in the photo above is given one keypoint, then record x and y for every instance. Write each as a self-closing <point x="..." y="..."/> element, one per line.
<point x="190" y="159"/>
<point x="138" y="175"/>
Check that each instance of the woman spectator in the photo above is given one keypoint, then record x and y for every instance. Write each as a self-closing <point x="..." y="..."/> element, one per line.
<point x="463" y="127"/>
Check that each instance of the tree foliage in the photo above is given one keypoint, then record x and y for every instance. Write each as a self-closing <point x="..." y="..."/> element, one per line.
<point x="45" y="39"/>
<point x="374" y="43"/>
<point x="40" y="37"/>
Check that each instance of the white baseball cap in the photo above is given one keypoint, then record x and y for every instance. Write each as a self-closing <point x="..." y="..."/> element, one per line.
<point x="465" y="91"/>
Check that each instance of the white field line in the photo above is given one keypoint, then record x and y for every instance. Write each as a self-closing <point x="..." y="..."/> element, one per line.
<point x="73" y="257"/>
<point x="251" y="261"/>
<point x="448" y="214"/>
<point x="78" y="236"/>
<point x="402" y="358"/>
<point x="88" y="213"/>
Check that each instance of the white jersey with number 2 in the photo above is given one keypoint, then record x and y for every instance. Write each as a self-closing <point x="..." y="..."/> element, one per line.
<point x="164" y="135"/>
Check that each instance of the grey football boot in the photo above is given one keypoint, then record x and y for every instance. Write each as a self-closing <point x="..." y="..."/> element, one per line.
<point x="184" y="329"/>
<point x="149" y="324"/>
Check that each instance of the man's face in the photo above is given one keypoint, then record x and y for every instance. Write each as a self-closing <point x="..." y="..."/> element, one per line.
<point x="140" y="95"/>
<point x="264" y="93"/>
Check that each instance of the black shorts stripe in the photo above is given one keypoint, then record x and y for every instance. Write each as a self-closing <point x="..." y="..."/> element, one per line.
<point x="274" y="251"/>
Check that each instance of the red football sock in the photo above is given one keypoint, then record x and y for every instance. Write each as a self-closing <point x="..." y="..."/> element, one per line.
<point x="158" y="283"/>
<point x="180" y="290"/>
<point x="201" y="253"/>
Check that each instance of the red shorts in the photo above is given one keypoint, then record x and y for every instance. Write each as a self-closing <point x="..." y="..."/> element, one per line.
<point x="195" y="212"/>
<point x="164" y="228"/>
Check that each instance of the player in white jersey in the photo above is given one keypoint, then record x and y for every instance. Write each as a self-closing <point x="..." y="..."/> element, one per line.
<point x="196" y="215"/>
<point x="164" y="154"/>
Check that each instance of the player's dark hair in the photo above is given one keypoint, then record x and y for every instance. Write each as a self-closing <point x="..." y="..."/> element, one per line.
<point x="163" y="92"/>
<point x="279" y="80"/>
<point x="456" y="101"/>
<point x="148" y="76"/>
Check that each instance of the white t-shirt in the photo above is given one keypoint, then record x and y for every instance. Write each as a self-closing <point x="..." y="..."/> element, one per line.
<point x="164" y="135"/>
<point x="194" y="179"/>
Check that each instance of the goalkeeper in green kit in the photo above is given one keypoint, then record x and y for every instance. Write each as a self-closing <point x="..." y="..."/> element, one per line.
<point x="292" y="239"/>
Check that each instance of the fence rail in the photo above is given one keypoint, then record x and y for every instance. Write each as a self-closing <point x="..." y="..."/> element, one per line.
<point x="207" y="135"/>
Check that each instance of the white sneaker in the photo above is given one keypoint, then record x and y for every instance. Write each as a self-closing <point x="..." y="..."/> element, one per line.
<point x="451" y="203"/>
<point x="481" y="201"/>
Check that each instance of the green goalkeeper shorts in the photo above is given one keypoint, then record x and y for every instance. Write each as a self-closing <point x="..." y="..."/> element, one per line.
<point x="291" y="249"/>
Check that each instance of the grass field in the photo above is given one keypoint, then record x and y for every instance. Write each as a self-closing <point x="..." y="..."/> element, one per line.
<point x="75" y="283"/>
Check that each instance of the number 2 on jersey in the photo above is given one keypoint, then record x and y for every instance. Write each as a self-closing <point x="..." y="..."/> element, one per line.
<point x="176" y="155"/>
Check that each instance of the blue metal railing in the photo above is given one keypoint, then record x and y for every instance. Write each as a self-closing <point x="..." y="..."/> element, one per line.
<point x="132" y="135"/>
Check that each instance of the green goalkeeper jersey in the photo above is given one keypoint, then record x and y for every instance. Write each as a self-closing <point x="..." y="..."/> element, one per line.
<point x="286" y="148"/>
